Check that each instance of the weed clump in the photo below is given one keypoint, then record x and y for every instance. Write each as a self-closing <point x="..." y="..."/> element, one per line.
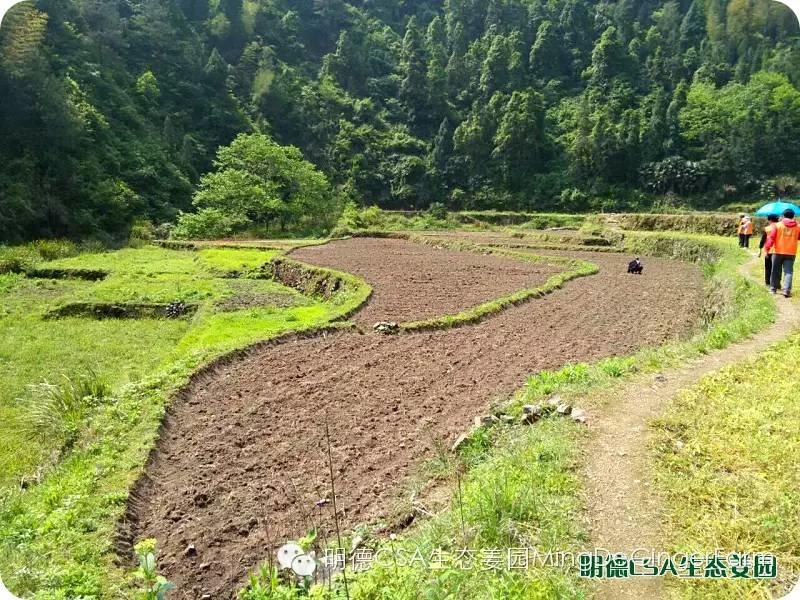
<point x="56" y="412"/>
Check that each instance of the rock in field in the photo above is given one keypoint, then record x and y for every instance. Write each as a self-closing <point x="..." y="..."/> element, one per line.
<point x="533" y="409"/>
<point x="564" y="409"/>
<point x="578" y="415"/>
<point x="482" y="420"/>
<point x="459" y="443"/>
<point x="386" y="327"/>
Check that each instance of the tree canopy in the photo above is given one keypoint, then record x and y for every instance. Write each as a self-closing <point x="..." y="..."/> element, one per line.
<point x="113" y="112"/>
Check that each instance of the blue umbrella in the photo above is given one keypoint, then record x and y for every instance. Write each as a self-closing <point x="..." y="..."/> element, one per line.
<point x="776" y="208"/>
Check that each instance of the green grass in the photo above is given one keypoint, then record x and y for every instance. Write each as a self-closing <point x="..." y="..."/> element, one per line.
<point x="239" y="259"/>
<point x="727" y="467"/>
<point x="34" y="350"/>
<point x="525" y="495"/>
<point x="520" y="487"/>
<point x="57" y="536"/>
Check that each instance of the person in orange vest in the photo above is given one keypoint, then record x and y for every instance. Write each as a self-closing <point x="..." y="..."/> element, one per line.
<point x="740" y="230"/>
<point x="745" y="232"/>
<point x="772" y="220"/>
<point x="782" y="241"/>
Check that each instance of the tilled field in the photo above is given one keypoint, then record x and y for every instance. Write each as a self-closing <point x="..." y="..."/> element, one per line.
<point x="412" y="282"/>
<point x="242" y="460"/>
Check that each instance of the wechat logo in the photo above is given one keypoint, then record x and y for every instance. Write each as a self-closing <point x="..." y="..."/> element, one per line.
<point x="5" y="5"/>
<point x="291" y="556"/>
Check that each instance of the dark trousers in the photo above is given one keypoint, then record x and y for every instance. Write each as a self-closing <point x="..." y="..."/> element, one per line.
<point x="744" y="240"/>
<point x="782" y="263"/>
<point x="768" y="269"/>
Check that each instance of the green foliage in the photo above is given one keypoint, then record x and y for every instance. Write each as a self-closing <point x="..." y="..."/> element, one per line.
<point x="17" y="259"/>
<point x="438" y="211"/>
<point x="152" y="585"/>
<point x="523" y="494"/>
<point x="267" y="584"/>
<point x="56" y="411"/>
<point x="502" y="105"/>
<point x="257" y="183"/>
<point x="209" y="224"/>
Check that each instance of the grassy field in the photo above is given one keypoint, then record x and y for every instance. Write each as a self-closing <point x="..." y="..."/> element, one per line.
<point x="59" y="534"/>
<point x="727" y="466"/>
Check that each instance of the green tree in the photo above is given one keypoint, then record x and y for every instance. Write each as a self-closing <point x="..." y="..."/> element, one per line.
<point x="258" y="182"/>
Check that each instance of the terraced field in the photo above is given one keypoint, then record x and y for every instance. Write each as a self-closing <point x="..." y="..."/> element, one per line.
<point x="242" y="457"/>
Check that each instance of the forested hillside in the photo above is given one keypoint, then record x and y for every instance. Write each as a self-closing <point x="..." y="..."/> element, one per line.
<point x="111" y="111"/>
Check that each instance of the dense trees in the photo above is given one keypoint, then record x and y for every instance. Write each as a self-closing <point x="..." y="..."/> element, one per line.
<point x="113" y="111"/>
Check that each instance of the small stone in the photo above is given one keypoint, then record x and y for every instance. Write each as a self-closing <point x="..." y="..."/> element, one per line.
<point x="190" y="550"/>
<point x="533" y="409"/>
<point x="579" y="415"/>
<point x="462" y="439"/>
<point x="678" y="445"/>
<point x="507" y="419"/>
<point x="658" y="377"/>
<point x="564" y="410"/>
<point x="205" y="566"/>
<point x="357" y="541"/>
<point x="482" y="420"/>
<point x="528" y="419"/>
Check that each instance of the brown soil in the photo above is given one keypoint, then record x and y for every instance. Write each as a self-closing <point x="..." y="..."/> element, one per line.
<point x="414" y="282"/>
<point x="241" y="460"/>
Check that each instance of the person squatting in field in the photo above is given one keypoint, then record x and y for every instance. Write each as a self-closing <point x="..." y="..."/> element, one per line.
<point x="782" y="242"/>
<point x="745" y="231"/>
<point x="771" y="222"/>
<point x="635" y="266"/>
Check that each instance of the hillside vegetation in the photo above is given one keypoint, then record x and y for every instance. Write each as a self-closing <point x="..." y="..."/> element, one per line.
<point x="112" y="111"/>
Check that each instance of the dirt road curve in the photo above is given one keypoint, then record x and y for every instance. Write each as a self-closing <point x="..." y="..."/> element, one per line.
<point x="241" y="463"/>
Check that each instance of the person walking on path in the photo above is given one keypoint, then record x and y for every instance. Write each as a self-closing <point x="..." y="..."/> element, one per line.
<point x="772" y="220"/>
<point x="745" y="232"/>
<point x="782" y="241"/>
<point x="739" y="229"/>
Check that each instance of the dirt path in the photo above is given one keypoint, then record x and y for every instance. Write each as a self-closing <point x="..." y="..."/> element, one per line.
<point x="623" y="509"/>
<point x="241" y="460"/>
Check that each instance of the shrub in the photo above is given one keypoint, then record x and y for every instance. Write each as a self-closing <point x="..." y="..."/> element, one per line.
<point x="142" y="232"/>
<point x="163" y="231"/>
<point x="437" y="210"/>
<point x="675" y="174"/>
<point x="209" y="223"/>
<point x="17" y="259"/>
<point x="55" y="249"/>
<point x="55" y="412"/>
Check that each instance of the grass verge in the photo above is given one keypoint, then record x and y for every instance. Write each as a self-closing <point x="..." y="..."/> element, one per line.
<point x="726" y="464"/>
